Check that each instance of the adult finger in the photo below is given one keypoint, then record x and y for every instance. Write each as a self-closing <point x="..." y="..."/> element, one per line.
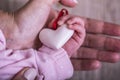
<point x="94" y="54"/>
<point x="26" y="74"/>
<point x="96" y="26"/>
<point x="79" y="64"/>
<point x="102" y="42"/>
<point x="69" y="3"/>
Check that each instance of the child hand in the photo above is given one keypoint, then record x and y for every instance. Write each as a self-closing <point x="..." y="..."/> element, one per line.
<point x="77" y="24"/>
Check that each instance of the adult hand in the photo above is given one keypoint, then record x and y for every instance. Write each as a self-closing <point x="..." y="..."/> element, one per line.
<point x="102" y="44"/>
<point x="22" y="27"/>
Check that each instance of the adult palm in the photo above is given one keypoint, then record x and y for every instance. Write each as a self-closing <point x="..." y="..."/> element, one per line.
<point x="102" y="44"/>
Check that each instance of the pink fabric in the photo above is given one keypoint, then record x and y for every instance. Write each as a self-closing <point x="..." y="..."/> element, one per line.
<point x="2" y="41"/>
<point x="52" y="64"/>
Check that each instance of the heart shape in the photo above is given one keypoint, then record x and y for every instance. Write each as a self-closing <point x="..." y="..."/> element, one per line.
<point x="55" y="38"/>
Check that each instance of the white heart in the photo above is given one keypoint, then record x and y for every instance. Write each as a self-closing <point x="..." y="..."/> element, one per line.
<point x="55" y="38"/>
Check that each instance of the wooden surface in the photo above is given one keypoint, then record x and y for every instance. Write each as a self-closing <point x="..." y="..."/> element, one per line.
<point x="106" y="10"/>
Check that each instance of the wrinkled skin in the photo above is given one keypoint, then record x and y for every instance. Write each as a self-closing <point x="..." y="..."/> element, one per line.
<point x="101" y="45"/>
<point x="22" y="27"/>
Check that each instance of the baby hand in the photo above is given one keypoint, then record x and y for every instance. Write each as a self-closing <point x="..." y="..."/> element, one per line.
<point x="77" y="24"/>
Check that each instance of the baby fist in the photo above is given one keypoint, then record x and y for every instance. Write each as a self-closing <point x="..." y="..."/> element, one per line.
<point x="77" y="24"/>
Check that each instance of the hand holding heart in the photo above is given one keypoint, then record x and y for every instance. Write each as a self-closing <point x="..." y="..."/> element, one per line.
<point x="77" y="24"/>
<point x="58" y="38"/>
<point x="55" y="39"/>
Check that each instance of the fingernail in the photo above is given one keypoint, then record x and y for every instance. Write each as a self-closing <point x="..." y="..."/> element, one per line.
<point x="75" y="1"/>
<point x="30" y="74"/>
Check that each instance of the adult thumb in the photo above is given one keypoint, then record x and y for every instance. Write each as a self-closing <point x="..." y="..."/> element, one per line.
<point x="69" y="3"/>
<point x="26" y="74"/>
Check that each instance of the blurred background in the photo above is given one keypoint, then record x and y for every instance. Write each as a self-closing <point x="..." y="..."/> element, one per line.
<point x="105" y="10"/>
